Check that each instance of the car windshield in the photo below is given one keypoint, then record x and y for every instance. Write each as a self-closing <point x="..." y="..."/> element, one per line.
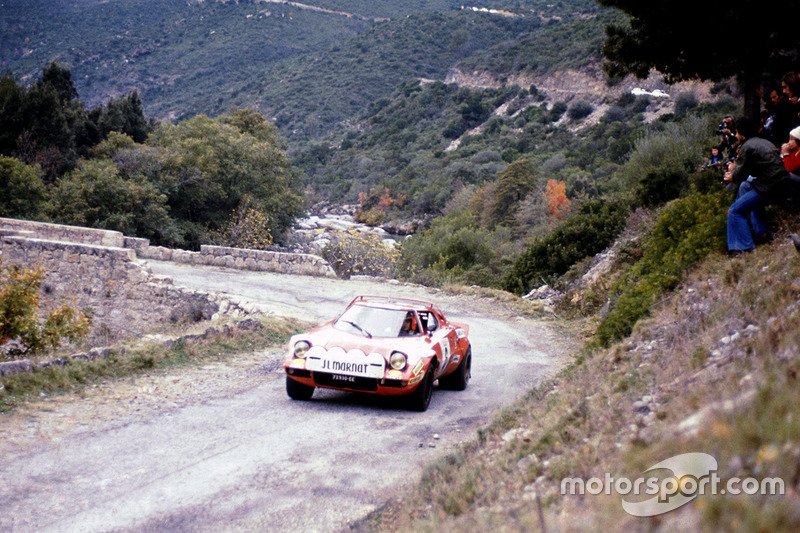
<point x="371" y="321"/>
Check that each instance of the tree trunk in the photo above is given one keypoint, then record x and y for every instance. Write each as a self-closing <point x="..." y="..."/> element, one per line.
<point x="752" y="102"/>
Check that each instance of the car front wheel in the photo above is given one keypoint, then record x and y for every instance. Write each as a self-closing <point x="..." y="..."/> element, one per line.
<point x="297" y="390"/>
<point x="421" y="397"/>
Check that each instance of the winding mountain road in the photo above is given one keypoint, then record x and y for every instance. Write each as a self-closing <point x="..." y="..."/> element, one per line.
<point x="222" y="448"/>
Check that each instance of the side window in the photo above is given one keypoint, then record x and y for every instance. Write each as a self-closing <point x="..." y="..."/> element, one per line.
<point x="432" y="324"/>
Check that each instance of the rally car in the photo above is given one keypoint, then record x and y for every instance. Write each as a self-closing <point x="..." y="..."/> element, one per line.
<point x="381" y="345"/>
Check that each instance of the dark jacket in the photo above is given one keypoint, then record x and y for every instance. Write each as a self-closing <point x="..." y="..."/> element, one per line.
<point x="760" y="158"/>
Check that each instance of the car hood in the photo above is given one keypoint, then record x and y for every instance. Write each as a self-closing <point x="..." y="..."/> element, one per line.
<point x="328" y="337"/>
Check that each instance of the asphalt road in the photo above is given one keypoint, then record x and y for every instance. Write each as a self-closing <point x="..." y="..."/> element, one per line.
<point x="246" y="457"/>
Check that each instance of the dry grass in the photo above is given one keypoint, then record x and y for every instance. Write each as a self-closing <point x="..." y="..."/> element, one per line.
<point x="134" y="357"/>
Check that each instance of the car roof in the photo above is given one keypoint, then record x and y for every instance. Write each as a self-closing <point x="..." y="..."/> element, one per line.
<point x="406" y="304"/>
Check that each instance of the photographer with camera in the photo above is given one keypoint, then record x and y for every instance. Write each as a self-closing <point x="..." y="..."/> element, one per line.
<point x="727" y="136"/>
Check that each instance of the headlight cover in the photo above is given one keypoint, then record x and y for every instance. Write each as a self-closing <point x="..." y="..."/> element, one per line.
<point x="301" y="349"/>
<point x="398" y="360"/>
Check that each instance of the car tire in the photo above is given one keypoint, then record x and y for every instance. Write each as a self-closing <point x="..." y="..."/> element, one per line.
<point x="459" y="379"/>
<point x="297" y="390"/>
<point x="421" y="397"/>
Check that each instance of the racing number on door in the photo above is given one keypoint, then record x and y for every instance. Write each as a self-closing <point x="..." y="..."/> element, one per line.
<point x="444" y="345"/>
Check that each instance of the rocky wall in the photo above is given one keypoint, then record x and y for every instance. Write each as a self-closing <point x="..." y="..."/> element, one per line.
<point x="126" y="298"/>
<point x="261" y="260"/>
<point x="61" y="232"/>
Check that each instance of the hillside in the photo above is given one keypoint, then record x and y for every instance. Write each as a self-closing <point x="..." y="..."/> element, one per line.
<point x="712" y="371"/>
<point x="186" y="58"/>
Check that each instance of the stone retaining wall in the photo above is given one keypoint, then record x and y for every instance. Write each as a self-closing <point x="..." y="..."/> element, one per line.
<point x="126" y="298"/>
<point x="261" y="260"/>
<point x="61" y="232"/>
<point x="104" y="270"/>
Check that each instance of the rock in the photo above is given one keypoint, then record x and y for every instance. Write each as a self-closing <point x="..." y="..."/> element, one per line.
<point x="15" y="367"/>
<point x="542" y="293"/>
<point x="100" y="353"/>
<point x="249" y="324"/>
<point x="691" y="426"/>
<point x="751" y="330"/>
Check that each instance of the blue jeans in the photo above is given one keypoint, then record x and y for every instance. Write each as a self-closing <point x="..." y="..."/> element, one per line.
<point x="757" y="216"/>
<point x="748" y="208"/>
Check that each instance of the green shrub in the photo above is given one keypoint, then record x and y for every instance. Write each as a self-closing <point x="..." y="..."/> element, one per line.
<point x="248" y="227"/>
<point x="688" y="230"/>
<point x="353" y="252"/>
<point x="21" y="319"/>
<point x="22" y="191"/>
<point x="675" y="150"/>
<point x="583" y="234"/>
<point x="454" y="249"/>
<point x="685" y="101"/>
<point x="661" y="185"/>
<point x="580" y="109"/>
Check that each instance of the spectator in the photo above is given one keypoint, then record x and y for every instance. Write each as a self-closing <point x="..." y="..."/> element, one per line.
<point x="767" y="118"/>
<point x="715" y="161"/>
<point x="785" y="117"/>
<point x="727" y="136"/>
<point x="760" y="159"/>
<point x="790" y="152"/>
<point x="790" y="84"/>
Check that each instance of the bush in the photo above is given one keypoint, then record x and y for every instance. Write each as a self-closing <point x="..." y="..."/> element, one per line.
<point x="674" y="150"/>
<point x="558" y="109"/>
<point x="22" y="191"/>
<point x="689" y="229"/>
<point x="354" y="252"/>
<point x="21" y="319"/>
<point x="583" y="234"/>
<point x="660" y="186"/>
<point x="685" y="101"/>
<point x="454" y="250"/>
<point x="580" y="109"/>
<point x="248" y="227"/>
<point x="615" y="114"/>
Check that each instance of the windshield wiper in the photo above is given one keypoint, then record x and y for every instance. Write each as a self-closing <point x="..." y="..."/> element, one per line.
<point x="359" y="328"/>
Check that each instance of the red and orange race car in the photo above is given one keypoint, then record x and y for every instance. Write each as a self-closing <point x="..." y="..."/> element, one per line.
<point x="381" y="345"/>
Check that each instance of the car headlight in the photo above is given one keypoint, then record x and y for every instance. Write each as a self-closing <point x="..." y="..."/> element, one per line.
<point x="301" y="349"/>
<point x="398" y="360"/>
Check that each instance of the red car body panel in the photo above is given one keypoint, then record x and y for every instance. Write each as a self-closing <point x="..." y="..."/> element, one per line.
<point x="341" y="359"/>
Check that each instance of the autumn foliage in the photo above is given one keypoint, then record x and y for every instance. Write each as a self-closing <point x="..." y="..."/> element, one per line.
<point x="374" y="204"/>
<point x="557" y="201"/>
<point x="22" y="320"/>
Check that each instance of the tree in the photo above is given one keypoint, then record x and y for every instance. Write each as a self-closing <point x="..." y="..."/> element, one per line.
<point x="97" y="195"/>
<point x="12" y="118"/>
<point x="686" y="40"/>
<point x="22" y="191"/>
<point x="122" y="115"/>
<point x="557" y="201"/>
<point x="209" y="165"/>
<point x="513" y="184"/>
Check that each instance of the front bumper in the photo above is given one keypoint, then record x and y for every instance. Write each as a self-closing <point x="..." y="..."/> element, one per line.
<point x="381" y="386"/>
